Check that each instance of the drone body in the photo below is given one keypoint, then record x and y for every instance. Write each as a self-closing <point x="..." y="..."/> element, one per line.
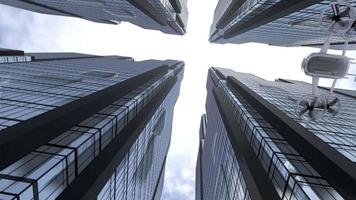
<point x="324" y="65"/>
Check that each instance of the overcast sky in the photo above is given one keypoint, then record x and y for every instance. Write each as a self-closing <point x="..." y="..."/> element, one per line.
<point x="34" y="32"/>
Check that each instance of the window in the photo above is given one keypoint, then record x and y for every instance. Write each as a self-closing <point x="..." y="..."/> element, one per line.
<point x="158" y="128"/>
<point x="15" y="59"/>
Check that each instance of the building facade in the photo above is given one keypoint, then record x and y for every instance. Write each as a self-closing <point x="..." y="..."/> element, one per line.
<point x="255" y="146"/>
<point x="77" y="126"/>
<point x="198" y="170"/>
<point x="277" y="22"/>
<point x="168" y="16"/>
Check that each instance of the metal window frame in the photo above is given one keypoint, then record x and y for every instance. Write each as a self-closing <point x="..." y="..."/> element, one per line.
<point x="21" y="139"/>
<point x="156" y="192"/>
<point x="257" y="182"/>
<point x="90" y="182"/>
<point x="150" y="11"/>
<point x="50" y="8"/>
<point x="281" y="9"/>
<point x="176" y="5"/>
<point x="229" y="14"/>
<point x="144" y="6"/>
<point x="335" y="168"/>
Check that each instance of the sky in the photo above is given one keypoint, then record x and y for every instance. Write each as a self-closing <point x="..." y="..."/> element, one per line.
<point x="34" y="32"/>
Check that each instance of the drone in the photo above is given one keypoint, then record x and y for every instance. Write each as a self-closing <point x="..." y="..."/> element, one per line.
<point x="336" y="22"/>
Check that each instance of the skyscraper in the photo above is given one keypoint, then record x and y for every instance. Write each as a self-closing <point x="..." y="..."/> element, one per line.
<point x="255" y="146"/>
<point x="198" y="170"/>
<point x="168" y="16"/>
<point x="77" y="126"/>
<point x="280" y="22"/>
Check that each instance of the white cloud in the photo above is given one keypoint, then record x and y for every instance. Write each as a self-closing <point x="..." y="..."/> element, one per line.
<point x="179" y="179"/>
<point x="37" y="32"/>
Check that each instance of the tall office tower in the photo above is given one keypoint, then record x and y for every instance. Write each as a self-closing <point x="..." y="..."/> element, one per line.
<point x="198" y="170"/>
<point x="254" y="145"/>
<point x="75" y="126"/>
<point x="277" y="22"/>
<point x="168" y="16"/>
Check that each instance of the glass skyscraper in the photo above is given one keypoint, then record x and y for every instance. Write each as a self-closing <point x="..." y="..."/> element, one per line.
<point x="274" y="22"/>
<point x="77" y="126"/>
<point x="168" y="16"/>
<point x="198" y="169"/>
<point x="254" y="145"/>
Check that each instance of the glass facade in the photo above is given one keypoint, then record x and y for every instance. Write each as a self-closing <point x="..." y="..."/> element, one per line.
<point x="139" y="13"/>
<point x="338" y="132"/>
<point x="33" y="88"/>
<point x="221" y="174"/>
<point x="47" y="171"/>
<point x="14" y="59"/>
<point x="226" y="180"/>
<point x="290" y="174"/>
<point x="198" y="168"/>
<point x="300" y="27"/>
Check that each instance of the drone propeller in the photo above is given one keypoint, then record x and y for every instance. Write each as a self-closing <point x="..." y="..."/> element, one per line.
<point x="311" y="108"/>
<point x="338" y="22"/>
<point x="346" y="13"/>
<point x="333" y="105"/>
<point x="336" y="11"/>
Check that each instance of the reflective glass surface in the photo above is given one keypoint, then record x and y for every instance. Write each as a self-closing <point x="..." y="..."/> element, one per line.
<point x="291" y="175"/>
